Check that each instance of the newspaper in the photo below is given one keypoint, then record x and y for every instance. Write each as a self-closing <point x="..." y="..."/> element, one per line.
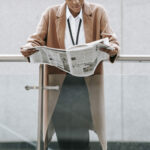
<point x="79" y="60"/>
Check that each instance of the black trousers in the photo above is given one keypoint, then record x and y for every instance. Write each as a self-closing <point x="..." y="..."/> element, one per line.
<point x="72" y="115"/>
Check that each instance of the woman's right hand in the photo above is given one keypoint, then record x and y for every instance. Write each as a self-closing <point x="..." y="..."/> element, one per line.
<point x="28" y="52"/>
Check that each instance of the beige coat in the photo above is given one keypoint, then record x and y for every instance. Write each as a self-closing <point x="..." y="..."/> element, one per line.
<point x="51" y="32"/>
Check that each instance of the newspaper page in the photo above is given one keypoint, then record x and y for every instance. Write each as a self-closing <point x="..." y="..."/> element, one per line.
<point x="51" y="56"/>
<point x="80" y="60"/>
<point x="84" y="60"/>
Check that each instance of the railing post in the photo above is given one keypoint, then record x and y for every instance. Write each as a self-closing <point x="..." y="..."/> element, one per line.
<point x="40" y="143"/>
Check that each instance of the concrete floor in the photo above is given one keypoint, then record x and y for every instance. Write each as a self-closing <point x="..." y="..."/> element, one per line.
<point x="94" y="146"/>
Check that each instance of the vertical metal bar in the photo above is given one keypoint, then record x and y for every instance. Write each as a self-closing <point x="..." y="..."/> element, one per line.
<point x="40" y="143"/>
<point x="122" y="69"/>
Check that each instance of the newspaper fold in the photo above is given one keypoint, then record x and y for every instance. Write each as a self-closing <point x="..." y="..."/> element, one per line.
<point x="79" y="60"/>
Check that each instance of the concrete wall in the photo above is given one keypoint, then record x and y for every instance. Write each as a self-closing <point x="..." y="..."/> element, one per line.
<point x="127" y="85"/>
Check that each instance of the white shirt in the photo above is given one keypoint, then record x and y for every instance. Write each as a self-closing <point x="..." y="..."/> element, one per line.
<point x="74" y="23"/>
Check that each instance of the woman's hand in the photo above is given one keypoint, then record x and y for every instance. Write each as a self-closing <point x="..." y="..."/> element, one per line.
<point x="111" y="52"/>
<point x="28" y="52"/>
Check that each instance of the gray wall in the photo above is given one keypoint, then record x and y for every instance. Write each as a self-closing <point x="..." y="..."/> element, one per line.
<point x="127" y="85"/>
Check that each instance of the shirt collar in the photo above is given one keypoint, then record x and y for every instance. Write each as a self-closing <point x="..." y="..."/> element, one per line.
<point x="68" y="14"/>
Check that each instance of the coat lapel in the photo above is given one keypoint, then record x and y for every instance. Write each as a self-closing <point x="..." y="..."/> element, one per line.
<point x="88" y="22"/>
<point x="61" y="25"/>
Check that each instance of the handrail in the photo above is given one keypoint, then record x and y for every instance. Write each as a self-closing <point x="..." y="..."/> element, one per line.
<point x="137" y="58"/>
<point x="20" y="58"/>
<point x="12" y="58"/>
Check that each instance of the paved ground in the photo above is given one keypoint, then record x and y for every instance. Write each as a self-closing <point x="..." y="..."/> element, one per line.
<point x="94" y="146"/>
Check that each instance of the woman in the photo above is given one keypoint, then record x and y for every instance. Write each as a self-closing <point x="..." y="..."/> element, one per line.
<point x="79" y="104"/>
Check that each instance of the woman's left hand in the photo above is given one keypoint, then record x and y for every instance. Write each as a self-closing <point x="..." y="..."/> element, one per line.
<point x="111" y="52"/>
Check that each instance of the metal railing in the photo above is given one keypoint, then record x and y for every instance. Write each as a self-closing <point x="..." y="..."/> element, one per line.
<point x="20" y="58"/>
<point x="41" y="88"/>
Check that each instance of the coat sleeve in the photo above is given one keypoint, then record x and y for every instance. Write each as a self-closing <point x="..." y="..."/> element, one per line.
<point x="106" y="31"/>
<point x="39" y="37"/>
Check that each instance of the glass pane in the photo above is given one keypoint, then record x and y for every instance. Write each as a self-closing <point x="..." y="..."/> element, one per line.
<point x="127" y="104"/>
<point x="126" y="91"/>
<point x="18" y="107"/>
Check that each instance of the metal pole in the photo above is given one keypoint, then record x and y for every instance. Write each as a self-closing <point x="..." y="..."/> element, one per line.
<point x="12" y="58"/>
<point x="124" y="58"/>
<point x="40" y="143"/>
